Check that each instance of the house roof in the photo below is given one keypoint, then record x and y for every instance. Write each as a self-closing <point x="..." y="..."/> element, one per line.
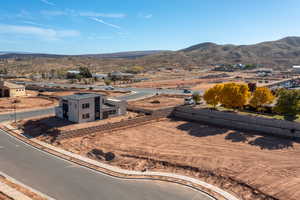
<point x="10" y="85"/>
<point x="117" y="73"/>
<point x="73" y="71"/>
<point x="80" y="96"/>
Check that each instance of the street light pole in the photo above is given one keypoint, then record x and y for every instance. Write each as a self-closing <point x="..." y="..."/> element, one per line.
<point x="15" y="114"/>
<point x="15" y="110"/>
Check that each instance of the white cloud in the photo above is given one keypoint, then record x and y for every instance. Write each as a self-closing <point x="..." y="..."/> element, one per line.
<point x="32" y="23"/>
<point x="105" y="23"/>
<point x="54" y="12"/>
<point x="146" y="16"/>
<point x="96" y="14"/>
<point x="99" y="37"/>
<point x="48" y="2"/>
<point x="70" y="12"/>
<point x="24" y="14"/>
<point x="44" y="33"/>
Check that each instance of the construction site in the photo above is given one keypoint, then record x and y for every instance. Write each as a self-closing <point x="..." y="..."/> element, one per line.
<point x="149" y="138"/>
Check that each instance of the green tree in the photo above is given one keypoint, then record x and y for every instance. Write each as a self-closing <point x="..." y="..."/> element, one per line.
<point x="85" y="72"/>
<point x="196" y="97"/>
<point x="107" y="81"/>
<point x="288" y="102"/>
<point x="135" y="69"/>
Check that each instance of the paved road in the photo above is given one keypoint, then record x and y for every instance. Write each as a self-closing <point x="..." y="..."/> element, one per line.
<point x="63" y="180"/>
<point x="26" y="114"/>
<point x="139" y="92"/>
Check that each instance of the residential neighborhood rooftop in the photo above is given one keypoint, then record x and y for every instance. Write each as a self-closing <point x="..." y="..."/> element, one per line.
<point x="10" y="85"/>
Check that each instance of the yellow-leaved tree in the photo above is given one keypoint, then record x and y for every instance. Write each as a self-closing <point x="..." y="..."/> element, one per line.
<point x="212" y="95"/>
<point x="261" y="96"/>
<point x="234" y="95"/>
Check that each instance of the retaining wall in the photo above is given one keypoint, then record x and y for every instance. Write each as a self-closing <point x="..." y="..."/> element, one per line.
<point x="163" y="113"/>
<point x="270" y="126"/>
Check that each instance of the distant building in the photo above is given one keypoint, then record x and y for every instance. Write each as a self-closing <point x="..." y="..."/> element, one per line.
<point x="86" y="107"/>
<point x="296" y="69"/>
<point x="8" y="89"/>
<point x="264" y="72"/>
<point x="73" y="71"/>
<point x="120" y="76"/>
<point x="100" y="76"/>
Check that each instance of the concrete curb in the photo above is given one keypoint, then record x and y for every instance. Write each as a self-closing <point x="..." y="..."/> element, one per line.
<point x="212" y="191"/>
<point x="22" y="196"/>
<point x="12" y="193"/>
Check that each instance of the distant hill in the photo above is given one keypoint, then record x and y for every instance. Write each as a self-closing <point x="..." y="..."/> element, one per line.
<point x="280" y="53"/>
<point x="129" y="54"/>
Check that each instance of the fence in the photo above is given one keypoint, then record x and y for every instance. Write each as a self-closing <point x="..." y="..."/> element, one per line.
<point x="270" y="126"/>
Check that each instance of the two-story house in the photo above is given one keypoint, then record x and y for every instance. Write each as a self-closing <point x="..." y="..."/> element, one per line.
<point x="86" y="107"/>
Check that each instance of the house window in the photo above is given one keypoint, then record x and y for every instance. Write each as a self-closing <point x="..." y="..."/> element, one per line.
<point x="112" y="112"/>
<point x="85" y="105"/>
<point x="86" y="116"/>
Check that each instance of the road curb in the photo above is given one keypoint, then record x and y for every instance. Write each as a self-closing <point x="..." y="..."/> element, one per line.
<point x="26" y="187"/>
<point x="212" y="191"/>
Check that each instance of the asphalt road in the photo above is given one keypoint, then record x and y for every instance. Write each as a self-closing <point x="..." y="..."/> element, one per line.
<point x="26" y="114"/>
<point x="144" y="91"/>
<point x="63" y="180"/>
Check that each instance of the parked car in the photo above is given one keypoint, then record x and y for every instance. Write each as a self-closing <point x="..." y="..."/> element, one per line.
<point x="109" y="88"/>
<point x="186" y="91"/>
<point x="189" y="101"/>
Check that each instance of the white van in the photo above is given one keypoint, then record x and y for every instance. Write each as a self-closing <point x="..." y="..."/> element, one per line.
<point x="189" y="101"/>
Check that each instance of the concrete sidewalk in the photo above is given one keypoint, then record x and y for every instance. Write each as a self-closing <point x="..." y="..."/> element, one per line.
<point x="15" y="194"/>
<point x="12" y="193"/>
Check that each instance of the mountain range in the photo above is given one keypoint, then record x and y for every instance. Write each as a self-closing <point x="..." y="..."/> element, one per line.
<point x="127" y="54"/>
<point x="282" y="54"/>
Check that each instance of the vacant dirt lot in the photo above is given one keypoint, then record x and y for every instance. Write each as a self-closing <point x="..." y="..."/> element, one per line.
<point x="158" y="102"/>
<point x="250" y="166"/>
<point x="24" y="103"/>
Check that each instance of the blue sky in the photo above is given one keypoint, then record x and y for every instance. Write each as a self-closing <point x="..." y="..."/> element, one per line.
<point x="103" y="26"/>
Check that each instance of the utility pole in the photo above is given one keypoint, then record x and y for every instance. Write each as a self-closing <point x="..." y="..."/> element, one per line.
<point x="15" y="101"/>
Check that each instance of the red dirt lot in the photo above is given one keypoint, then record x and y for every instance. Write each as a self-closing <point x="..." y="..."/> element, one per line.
<point x="24" y="103"/>
<point x="250" y="166"/>
<point x="157" y="102"/>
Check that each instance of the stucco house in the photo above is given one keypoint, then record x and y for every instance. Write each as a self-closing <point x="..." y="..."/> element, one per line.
<point x="87" y="107"/>
<point x="8" y="89"/>
<point x="296" y="69"/>
<point x="120" y="76"/>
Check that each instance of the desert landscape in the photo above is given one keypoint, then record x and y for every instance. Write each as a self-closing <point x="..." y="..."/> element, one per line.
<point x="251" y="165"/>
